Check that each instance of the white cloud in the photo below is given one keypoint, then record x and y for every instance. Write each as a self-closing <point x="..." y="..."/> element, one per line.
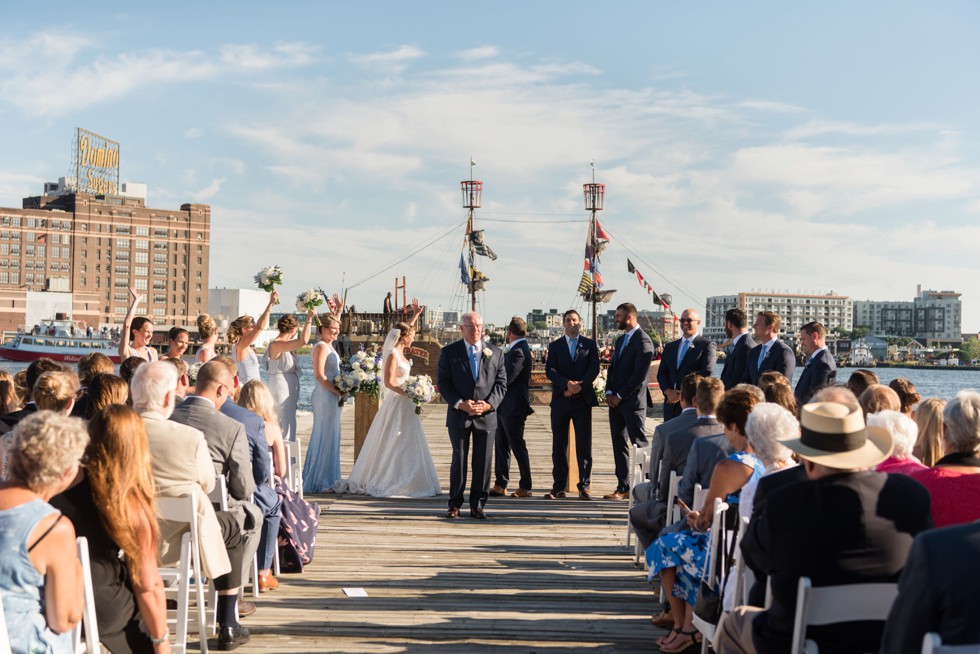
<point x="394" y="61"/>
<point x="194" y="133"/>
<point x="209" y="191"/>
<point x="482" y="52"/>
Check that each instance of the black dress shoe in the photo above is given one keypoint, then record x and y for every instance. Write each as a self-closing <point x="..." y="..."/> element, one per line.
<point x="479" y="514"/>
<point x="584" y="495"/>
<point x="230" y="638"/>
<point x="453" y="513"/>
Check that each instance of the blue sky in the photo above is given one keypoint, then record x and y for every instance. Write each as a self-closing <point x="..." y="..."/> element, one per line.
<point x="820" y="146"/>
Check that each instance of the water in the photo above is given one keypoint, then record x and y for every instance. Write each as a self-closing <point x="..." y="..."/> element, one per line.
<point x="930" y="382"/>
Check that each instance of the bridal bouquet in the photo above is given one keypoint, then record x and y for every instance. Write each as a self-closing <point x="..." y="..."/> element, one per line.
<point x="268" y="278"/>
<point x="420" y="391"/>
<point x="309" y="300"/>
<point x="599" y="385"/>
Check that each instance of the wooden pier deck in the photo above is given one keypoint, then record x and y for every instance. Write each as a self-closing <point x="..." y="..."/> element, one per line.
<point x="538" y="576"/>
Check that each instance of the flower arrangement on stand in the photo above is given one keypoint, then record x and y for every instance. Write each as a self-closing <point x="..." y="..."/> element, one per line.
<point x="361" y="373"/>
<point x="599" y="385"/>
<point x="420" y="391"/>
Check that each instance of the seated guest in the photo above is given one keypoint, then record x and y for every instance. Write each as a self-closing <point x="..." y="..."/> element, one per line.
<point x="128" y="367"/>
<point x="112" y="505"/>
<point x="89" y="366"/>
<point x="182" y="464"/>
<point x="771" y="378"/>
<point x="954" y="483"/>
<point x="845" y="525"/>
<point x="878" y="398"/>
<point x="766" y="427"/>
<point x="904" y="432"/>
<point x="56" y="391"/>
<point x="939" y="592"/>
<point x="256" y="397"/>
<point x="679" y="556"/>
<point x="9" y="400"/>
<point x="907" y="395"/>
<point x="929" y="417"/>
<point x="689" y="385"/>
<point x="105" y="390"/>
<point x="34" y="370"/>
<point x="860" y="380"/>
<point x="782" y="395"/>
<point x="23" y="390"/>
<point x="40" y="578"/>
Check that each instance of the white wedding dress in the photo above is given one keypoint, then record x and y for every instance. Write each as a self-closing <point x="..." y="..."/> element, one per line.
<point x="394" y="459"/>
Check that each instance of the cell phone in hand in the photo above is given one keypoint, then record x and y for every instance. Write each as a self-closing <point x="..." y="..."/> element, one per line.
<point x="685" y="509"/>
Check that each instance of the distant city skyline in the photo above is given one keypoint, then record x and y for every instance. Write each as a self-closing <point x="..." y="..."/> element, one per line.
<point x="758" y="145"/>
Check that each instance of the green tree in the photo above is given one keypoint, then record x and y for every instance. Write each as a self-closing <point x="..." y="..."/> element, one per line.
<point x="970" y="350"/>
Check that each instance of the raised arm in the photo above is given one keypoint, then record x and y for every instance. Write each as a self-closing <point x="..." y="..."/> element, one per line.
<point x="416" y="311"/>
<point x="260" y="324"/>
<point x="124" y="350"/>
<point x="278" y="348"/>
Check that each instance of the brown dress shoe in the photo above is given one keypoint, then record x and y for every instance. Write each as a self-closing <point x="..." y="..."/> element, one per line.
<point x="555" y="495"/>
<point x="584" y="495"/>
<point x="497" y="491"/>
<point x="522" y="492"/>
<point x="617" y="495"/>
<point x="453" y="513"/>
<point x="267" y="582"/>
<point x="245" y="608"/>
<point x="479" y="514"/>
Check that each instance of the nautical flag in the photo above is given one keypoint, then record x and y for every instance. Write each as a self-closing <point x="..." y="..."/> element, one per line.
<point x="600" y="233"/>
<point x="659" y="300"/>
<point x="585" y="285"/>
<point x="480" y="247"/>
<point x="464" y="270"/>
<point x="630" y="267"/>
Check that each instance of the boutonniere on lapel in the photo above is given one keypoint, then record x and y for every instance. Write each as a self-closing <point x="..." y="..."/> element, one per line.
<point x="507" y="348"/>
<point x="487" y="353"/>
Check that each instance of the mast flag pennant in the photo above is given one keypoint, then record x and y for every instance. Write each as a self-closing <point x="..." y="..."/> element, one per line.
<point x="646" y="286"/>
<point x="480" y="247"/>
<point x="585" y="285"/>
<point x="630" y="267"/>
<point x="464" y="270"/>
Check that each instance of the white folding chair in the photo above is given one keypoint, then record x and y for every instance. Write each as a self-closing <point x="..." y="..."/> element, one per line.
<point x="932" y="643"/>
<point x="219" y="494"/>
<point x="743" y="576"/>
<point x="90" y="642"/>
<point x="826" y="605"/>
<point x="711" y="567"/>
<point x="272" y="483"/>
<point x="673" y="514"/>
<point x="185" y="581"/>
<point x="641" y="459"/>
<point x="294" y="466"/>
<point x="4" y="636"/>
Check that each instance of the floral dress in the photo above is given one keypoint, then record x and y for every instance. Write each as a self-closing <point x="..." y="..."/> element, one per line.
<point x="687" y="550"/>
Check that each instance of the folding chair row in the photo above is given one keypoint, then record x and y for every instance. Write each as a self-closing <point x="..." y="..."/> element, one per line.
<point x="185" y="581"/>
<point x="933" y="644"/>
<point x="294" y="466"/>
<point x="826" y="605"/>
<point x="89" y="642"/>
<point x="711" y="568"/>
<point x="640" y="465"/>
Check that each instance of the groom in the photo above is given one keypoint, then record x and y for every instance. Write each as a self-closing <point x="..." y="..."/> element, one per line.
<point x="472" y="380"/>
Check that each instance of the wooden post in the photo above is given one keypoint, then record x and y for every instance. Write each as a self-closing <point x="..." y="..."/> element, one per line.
<point x="572" y="461"/>
<point x="365" y="409"/>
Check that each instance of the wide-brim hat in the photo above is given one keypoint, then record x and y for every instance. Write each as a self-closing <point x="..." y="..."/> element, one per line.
<point x="835" y="435"/>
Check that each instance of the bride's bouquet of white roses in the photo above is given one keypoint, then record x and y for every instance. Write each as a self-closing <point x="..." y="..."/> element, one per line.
<point x="268" y="278"/>
<point x="599" y="385"/>
<point x="420" y="390"/>
<point x="309" y="300"/>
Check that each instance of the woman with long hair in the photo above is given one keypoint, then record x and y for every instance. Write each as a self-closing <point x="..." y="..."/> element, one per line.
<point x="178" y="339"/>
<point x="137" y="333"/>
<point x="113" y="505"/>
<point x="255" y="397"/>
<point x="9" y="400"/>
<point x="321" y="469"/>
<point x="242" y="333"/>
<point x="104" y="390"/>
<point x="207" y="329"/>
<point x="280" y="363"/>
<point x="929" y="445"/>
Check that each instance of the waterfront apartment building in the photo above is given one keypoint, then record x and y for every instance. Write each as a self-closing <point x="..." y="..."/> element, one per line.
<point x="933" y="318"/>
<point x="796" y="309"/>
<point x="86" y="251"/>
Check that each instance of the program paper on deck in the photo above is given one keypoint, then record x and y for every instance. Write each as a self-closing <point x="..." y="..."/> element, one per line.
<point x="355" y="592"/>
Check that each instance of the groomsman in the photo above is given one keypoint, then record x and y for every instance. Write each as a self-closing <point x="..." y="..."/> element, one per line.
<point x="770" y="353"/>
<point x="628" y="394"/>
<point x="572" y="366"/>
<point x="820" y="369"/>
<point x="692" y="352"/>
<point x="736" y="328"/>
<point x="513" y="412"/>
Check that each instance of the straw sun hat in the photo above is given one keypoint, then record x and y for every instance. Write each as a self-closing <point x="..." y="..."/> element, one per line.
<point x="835" y="435"/>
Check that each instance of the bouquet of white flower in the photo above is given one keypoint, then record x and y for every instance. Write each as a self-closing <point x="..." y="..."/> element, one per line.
<point x="346" y="382"/>
<point x="309" y="300"/>
<point x="420" y="391"/>
<point x="599" y="385"/>
<point x="366" y="366"/>
<point x="192" y="371"/>
<point x="268" y="278"/>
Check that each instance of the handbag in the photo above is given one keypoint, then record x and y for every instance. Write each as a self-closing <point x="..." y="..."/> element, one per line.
<point x="297" y="530"/>
<point x="708" y="605"/>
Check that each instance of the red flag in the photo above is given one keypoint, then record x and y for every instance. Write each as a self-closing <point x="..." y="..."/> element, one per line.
<point x="599" y="231"/>
<point x="41" y="237"/>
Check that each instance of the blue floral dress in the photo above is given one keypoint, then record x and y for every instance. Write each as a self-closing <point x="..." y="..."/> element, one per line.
<point x="687" y="550"/>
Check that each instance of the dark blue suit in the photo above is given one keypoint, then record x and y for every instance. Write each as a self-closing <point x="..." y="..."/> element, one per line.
<point x="561" y="369"/>
<point x="780" y="358"/>
<point x="628" y="376"/>
<point x="820" y="371"/>
<point x="512" y="414"/>
<point x="737" y="361"/>
<point x="456" y="383"/>
<point x="700" y="358"/>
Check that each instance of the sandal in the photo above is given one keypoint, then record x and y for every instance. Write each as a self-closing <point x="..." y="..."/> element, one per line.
<point x="670" y="634"/>
<point x="692" y="642"/>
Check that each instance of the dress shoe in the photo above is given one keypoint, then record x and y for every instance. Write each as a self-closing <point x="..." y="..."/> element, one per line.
<point x="453" y="513"/>
<point x="498" y="491"/>
<point x="555" y="495"/>
<point x="230" y="638"/>
<point x="267" y="582"/>
<point x="617" y="495"/>
<point x="584" y="495"/>
<point x="245" y="608"/>
<point x="478" y="514"/>
<point x="522" y="492"/>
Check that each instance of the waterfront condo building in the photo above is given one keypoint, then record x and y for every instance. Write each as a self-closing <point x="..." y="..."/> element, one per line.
<point x="933" y="318"/>
<point x="79" y="254"/>
<point x="796" y="309"/>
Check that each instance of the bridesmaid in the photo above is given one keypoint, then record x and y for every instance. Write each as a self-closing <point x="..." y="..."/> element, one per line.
<point x="280" y="363"/>
<point x="321" y="470"/>
<point x="139" y="329"/>
<point x="177" y="341"/>
<point x="241" y="334"/>
<point x="207" y="328"/>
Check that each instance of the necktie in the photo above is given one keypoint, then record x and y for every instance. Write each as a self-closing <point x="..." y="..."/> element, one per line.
<point x="762" y="355"/>
<point x="474" y="365"/>
<point x="685" y="345"/>
<point x="626" y="339"/>
<point x="572" y="342"/>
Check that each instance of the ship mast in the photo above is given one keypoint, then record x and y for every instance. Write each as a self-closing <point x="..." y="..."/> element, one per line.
<point x="472" y="199"/>
<point x="594" y="197"/>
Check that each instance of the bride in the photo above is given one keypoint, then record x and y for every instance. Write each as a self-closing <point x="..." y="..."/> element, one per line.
<point x="395" y="459"/>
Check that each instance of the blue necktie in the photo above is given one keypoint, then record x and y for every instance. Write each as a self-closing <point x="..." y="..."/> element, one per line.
<point x="626" y="339"/>
<point x="762" y="356"/>
<point x="473" y="363"/>
<point x="572" y="342"/>
<point x="684" y="347"/>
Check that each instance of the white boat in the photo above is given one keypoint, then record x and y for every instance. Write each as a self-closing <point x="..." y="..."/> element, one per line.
<point x="60" y="340"/>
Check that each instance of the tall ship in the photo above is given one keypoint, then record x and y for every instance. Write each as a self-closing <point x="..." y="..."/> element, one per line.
<point x="61" y="339"/>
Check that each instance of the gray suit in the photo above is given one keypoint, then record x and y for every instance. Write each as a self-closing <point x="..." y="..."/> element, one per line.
<point x="646" y="490"/>
<point x="701" y="461"/>
<point x="677" y="447"/>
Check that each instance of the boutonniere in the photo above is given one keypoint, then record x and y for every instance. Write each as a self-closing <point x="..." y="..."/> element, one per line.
<point x="487" y="353"/>
<point x="507" y="348"/>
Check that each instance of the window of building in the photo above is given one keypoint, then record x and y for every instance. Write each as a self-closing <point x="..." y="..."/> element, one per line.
<point x="142" y="230"/>
<point x="122" y="270"/>
<point x="40" y="250"/>
<point x="159" y="245"/>
<point x="200" y="261"/>
<point x="15" y="277"/>
<point x="160" y="272"/>
<point x="122" y="243"/>
<point x="199" y="274"/>
<point x="160" y="285"/>
<point x="159" y="258"/>
<point x="4" y="277"/>
<point x="142" y="257"/>
<point x="142" y="244"/>
<point x="159" y="311"/>
<point x="198" y="288"/>
<point x="4" y="263"/>
<point x="120" y="282"/>
<point x="30" y="264"/>
<point x="161" y="232"/>
<point x="15" y="221"/>
<point x="28" y="250"/>
<point x="55" y="252"/>
<point x="142" y="271"/>
<point x="65" y="267"/>
<point x="200" y="249"/>
<point x="5" y="234"/>
<point x="121" y="297"/>
<point x="140" y="284"/>
<point x="122" y="255"/>
<point x="200" y="236"/>
<point x="122" y="229"/>
<point x="30" y="222"/>
<point x="31" y="236"/>
<point x="55" y="239"/>
<point x="119" y="310"/>
<point x="4" y="248"/>
<point x="160" y="299"/>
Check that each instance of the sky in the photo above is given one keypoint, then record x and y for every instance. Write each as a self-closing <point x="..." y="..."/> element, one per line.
<point x="829" y="146"/>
